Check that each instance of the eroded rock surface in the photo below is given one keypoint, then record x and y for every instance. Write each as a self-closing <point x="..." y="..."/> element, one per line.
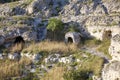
<point x="111" y="71"/>
<point x="114" y="49"/>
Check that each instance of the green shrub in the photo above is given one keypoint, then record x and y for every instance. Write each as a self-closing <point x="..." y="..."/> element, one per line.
<point x="55" y="24"/>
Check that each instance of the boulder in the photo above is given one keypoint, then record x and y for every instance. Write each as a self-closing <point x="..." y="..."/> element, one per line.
<point x="15" y="56"/>
<point x="67" y="60"/>
<point x="54" y="58"/>
<point x="114" y="49"/>
<point x="111" y="71"/>
<point x="30" y="36"/>
<point x="35" y="57"/>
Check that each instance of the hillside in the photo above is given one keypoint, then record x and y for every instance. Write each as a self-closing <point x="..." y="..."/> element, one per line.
<point x="60" y="39"/>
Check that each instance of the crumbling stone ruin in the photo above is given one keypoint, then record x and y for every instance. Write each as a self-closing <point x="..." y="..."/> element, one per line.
<point x="72" y="37"/>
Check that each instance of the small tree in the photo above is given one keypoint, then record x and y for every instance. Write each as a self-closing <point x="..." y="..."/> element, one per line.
<point x="55" y="25"/>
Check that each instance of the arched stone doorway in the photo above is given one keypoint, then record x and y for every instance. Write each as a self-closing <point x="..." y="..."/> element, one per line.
<point x="72" y="37"/>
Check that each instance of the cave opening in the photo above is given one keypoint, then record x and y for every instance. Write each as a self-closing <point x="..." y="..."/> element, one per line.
<point x="70" y="40"/>
<point x="18" y="44"/>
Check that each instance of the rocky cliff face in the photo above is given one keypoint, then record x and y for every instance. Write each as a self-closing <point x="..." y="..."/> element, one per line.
<point x="95" y="18"/>
<point x="114" y="47"/>
<point x="96" y="15"/>
<point x="111" y="71"/>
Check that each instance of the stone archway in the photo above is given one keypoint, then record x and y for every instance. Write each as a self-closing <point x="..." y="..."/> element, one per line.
<point x="107" y="34"/>
<point x="72" y="37"/>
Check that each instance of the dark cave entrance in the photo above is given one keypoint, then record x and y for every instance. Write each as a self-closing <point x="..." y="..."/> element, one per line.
<point x="70" y="40"/>
<point x="18" y="44"/>
<point x="19" y="39"/>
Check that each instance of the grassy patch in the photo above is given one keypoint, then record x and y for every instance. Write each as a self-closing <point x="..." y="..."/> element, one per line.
<point x="48" y="46"/>
<point x="92" y="42"/>
<point x="77" y="75"/>
<point x="13" y="4"/>
<point x="104" y="47"/>
<point x="10" y="68"/>
<point x="86" y="66"/>
<point x="55" y="74"/>
<point x="22" y="17"/>
<point x="88" y="63"/>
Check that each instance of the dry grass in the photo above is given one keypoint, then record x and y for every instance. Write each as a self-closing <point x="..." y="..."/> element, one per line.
<point x="50" y="47"/>
<point x="55" y="74"/>
<point x="17" y="47"/>
<point x="10" y="68"/>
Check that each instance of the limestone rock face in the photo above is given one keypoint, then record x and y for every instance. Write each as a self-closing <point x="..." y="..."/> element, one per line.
<point x="12" y="9"/>
<point x="25" y="32"/>
<point x="31" y="7"/>
<point x="111" y="71"/>
<point x="114" y="49"/>
<point x="30" y="36"/>
<point x="95" y="16"/>
<point x="112" y="5"/>
<point x="24" y="26"/>
<point x="46" y="8"/>
<point x="99" y="32"/>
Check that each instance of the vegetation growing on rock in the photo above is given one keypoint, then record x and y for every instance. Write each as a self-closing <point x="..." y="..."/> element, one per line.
<point x="45" y="55"/>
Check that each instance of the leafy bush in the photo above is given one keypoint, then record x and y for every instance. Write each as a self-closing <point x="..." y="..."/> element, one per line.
<point x="55" y="24"/>
<point x="10" y="68"/>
